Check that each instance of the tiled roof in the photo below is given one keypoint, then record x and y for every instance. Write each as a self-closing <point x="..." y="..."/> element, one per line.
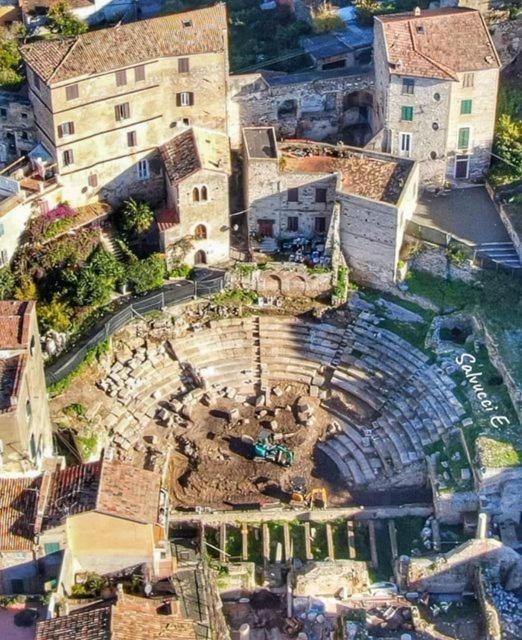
<point x="367" y="174"/>
<point x="195" y="149"/>
<point x="438" y="43"/>
<point x="130" y="618"/>
<point x="178" y="34"/>
<point x="87" y="623"/>
<point x="35" y="6"/>
<point x="111" y="488"/>
<point x="129" y="492"/>
<point x="167" y="218"/>
<point x="11" y="372"/>
<point x="14" y="324"/>
<point x="18" y="504"/>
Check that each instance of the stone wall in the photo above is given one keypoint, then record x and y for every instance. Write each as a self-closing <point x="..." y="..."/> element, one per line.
<point x="283" y="279"/>
<point x="17" y="128"/>
<point x="435" y="260"/>
<point x="318" y="100"/>
<point x="19" y="565"/>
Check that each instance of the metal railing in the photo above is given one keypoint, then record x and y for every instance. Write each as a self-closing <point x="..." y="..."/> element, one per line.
<point x="130" y="308"/>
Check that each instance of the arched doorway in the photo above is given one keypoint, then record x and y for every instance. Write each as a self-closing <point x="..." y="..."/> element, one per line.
<point x="357" y="117"/>
<point x="200" y="257"/>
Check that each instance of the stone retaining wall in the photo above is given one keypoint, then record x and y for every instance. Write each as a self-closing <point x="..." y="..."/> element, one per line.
<point x="435" y="260"/>
<point x="284" y="279"/>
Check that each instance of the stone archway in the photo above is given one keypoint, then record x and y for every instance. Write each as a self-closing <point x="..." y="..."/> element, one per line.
<point x="358" y="117"/>
<point x="295" y="286"/>
<point x="272" y="285"/>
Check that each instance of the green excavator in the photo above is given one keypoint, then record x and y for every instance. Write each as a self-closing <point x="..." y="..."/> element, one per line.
<point x="265" y="449"/>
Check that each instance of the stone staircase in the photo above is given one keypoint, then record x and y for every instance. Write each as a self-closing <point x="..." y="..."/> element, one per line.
<point x="110" y="244"/>
<point x="502" y="252"/>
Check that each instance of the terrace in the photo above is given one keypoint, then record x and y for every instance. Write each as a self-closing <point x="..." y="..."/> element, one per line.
<point x="376" y="176"/>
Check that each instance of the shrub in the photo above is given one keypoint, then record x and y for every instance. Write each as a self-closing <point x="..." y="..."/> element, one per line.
<point x="93" y="354"/>
<point x="236" y="296"/>
<point x="508" y="139"/>
<point x="327" y="21"/>
<point x="147" y="274"/>
<point x="75" y="410"/>
<point x="54" y="315"/>
<point x="11" y="75"/>
<point x="94" y="284"/>
<point x="26" y="289"/>
<point x="180" y="271"/>
<point x="7" y="283"/>
<point x="63" y="22"/>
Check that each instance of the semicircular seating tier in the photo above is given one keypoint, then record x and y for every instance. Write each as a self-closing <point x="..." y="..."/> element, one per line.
<point x="408" y="402"/>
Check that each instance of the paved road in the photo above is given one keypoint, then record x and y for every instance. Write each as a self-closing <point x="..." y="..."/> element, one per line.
<point x="466" y="213"/>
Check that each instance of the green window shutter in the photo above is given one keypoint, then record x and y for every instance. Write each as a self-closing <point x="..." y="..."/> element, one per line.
<point x="407" y="113"/>
<point x="51" y="547"/>
<point x="465" y="107"/>
<point x="464" y="138"/>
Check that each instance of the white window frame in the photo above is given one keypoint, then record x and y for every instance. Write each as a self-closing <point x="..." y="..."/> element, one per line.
<point x="462" y="155"/>
<point x="402" y="152"/>
<point x="4" y="257"/>
<point x="143" y="169"/>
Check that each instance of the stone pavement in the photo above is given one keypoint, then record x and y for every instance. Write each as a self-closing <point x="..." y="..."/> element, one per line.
<point x="466" y="213"/>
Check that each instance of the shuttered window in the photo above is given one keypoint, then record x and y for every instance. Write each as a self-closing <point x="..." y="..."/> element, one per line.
<point x="72" y="92"/>
<point x="93" y="180"/>
<point x="183" y="65"/>
<point x="407" y="113"/>
<point x="293" y="195"/>
<point x="464" y="138"/>
<point x="185" y="99"/>
<point x="121" y="78"/>
<point x="131" y="139"/>
<point x="122" y="111"/>
<point x="139" y="73"/>
<point x="68" y="157"/>
<point x="66" y="129"/>
<point x="466" y="107"/>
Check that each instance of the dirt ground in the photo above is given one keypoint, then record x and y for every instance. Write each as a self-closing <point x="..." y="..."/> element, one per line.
<point x="218" y="468"/>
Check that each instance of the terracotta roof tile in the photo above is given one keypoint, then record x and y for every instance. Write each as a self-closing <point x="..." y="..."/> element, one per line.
<point x="18" y="505"/>
<point x="167" y="218"/>
<point x="107" y="487"/>
<point x="15" y="318"/>
<point x="438" y="43"/>
<point x="195" y="149"/>
<point x="191" y="32"/>
<point x="129" y="618"/>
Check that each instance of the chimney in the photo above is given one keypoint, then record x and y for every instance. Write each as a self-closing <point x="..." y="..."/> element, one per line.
<point x="482" y="526"/>
<point x="417" y="12"/>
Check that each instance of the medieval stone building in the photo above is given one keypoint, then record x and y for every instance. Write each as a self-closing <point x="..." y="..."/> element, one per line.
<point x="291" y="189"/>
<point x="436" y="75"/>
<point x="106" y="100"/>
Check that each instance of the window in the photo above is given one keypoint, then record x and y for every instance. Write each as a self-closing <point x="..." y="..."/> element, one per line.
<point x="292" y="223"/>
<point x="24" y="115"/>
<point x="408" y="85"/>
<point x="293" y="195"/>
<point x="436" y="97"/>
<point x="24" y="135"/>
<point x="122" y="111"/>
<point x="32" y="345"/>
<point x="51" y="547"/>
<point x="405" y="143"/>
<point x="143" y="170"/>
<point x="200" y="232"/>
<point x="185" y="99"/>
<point x="183" y="65"/>
<point x="68" y="157"/>
<point x="3" y="113"/>
<point x="4" y="259"/>
<point x="121" y="77"/>
<point x="36" y="81"/>
<point x="195" y="194"/>
<point x="320" y="195"/>
<point x="93" y="180"/>
<point x="407" y="113"/>
<point x="131" y="139"/>
<point x="468" y="80"/>
<point x="463" y="142"/>
<point x="186" y="23"/>
<point x="72" y="92"/>
<point x="320" y="225"/>
<point x="465" y="107"/>
<point x="139" y="73"/>
<point x="65" y="129"/>
<point x="186" y="122"/>
<point x="204" y="193"/>
<point x="2" y="229"/>
<point x="435" y="126"/>
<point x="28" y="411"/>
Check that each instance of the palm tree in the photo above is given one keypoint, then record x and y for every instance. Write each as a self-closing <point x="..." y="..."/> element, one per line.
<point x="137" y="216"/>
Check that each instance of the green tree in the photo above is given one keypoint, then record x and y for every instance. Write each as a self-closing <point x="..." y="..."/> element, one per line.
<point x="327" y="21"/>
<point x="507" y="167"/>
<point x="63" y="22"/>
<point x="147" y="274"/>
<point x="95" y="282"/>
<point x="7" y="282"/>
<point x="136" y="217"/>
<point x="11" y="74"/>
